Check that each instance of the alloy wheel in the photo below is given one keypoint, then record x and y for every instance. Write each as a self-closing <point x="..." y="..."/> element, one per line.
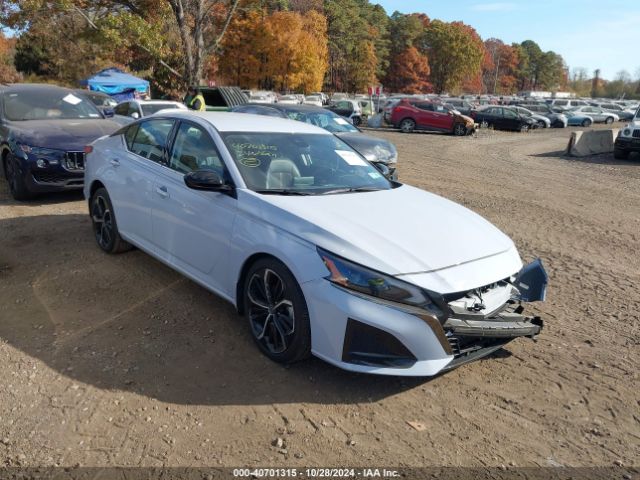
<point x="459" y="129"/>
<point x="407" y="126"/>
<point x="271" y="313"/>
<point x="102" y="222"/>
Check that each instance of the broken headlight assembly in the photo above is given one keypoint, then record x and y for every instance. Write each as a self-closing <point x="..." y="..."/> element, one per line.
<point x="380" y="287"/>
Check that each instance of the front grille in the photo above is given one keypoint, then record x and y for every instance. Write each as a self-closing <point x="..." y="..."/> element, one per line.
<point x="74" y="161"/>
<point x="636" y="133"/>
<point x="45" y="177"/>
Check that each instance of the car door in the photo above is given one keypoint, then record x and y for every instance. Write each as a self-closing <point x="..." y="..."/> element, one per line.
<point x="423" y="115"/>
<point x="510" y="119"/>
<point x="131" y="178"/>
<point x="443" y="119"/>
<point x="599" y="115"/>
<point x="191" y="228"/>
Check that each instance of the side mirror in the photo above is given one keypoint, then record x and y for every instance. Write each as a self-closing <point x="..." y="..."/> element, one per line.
<point x="109" y="112"/>
<point x="382" y="168"/>
<point x="206" y="180"/>
<point x="135" y="115"/>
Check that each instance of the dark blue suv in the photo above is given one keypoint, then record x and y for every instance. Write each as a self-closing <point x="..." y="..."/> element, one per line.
<point x="43" y="132"/>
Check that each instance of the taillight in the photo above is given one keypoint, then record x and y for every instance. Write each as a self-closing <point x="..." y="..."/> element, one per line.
<point x="88" y="149"/>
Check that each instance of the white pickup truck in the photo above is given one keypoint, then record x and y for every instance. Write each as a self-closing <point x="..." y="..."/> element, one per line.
<point x="628" y="139"/>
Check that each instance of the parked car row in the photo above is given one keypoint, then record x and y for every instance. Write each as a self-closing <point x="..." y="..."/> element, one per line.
<point x="44" y="128"/>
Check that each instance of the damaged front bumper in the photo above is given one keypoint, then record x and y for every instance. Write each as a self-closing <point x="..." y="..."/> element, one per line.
<point x="472" y="334"/>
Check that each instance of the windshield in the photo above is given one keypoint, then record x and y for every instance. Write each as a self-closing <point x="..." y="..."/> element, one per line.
<point x="47" y="105"/>
<point x="305" y="164"/>
<point x="100" y="101"/>
<point x="151" y="108"/>
<point x="327" y="120"/>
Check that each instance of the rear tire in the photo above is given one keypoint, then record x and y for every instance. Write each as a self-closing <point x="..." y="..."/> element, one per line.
<point x="357" y="121"/>
<point x="17" y="186"/>
<point x="276" y="312"/>
<point x="620" y="154"/>
<point x="407" y="125"/>
<point x="105" y="227"/>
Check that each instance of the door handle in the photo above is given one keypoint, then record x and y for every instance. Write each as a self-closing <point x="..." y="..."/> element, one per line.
<point x="114" y="162"/>
<point x="162" y="191"/>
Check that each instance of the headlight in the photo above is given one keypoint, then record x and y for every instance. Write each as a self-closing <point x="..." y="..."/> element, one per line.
<point x="43" y="156"/>
<point x="381" y="287"/>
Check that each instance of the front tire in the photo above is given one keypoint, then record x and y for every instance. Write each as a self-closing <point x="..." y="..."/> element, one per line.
<point x="459" y="130"/>
<point x="586" y="122"/>
<point x="609" y="120"/>
<point x="524" y="128"/>
<point x="276" y="312"/>
<point x="105" y="227"/>
<point x="17" y="185"/>
<point x="407" y="125"/>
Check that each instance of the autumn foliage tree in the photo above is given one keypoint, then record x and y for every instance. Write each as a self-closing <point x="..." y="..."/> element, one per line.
<point x="410" y="72"/>
<point x="8" y="72"/>
<point x="284" y="51"/>
<point x="499" y="69"/>
<point x="455" y="52"/>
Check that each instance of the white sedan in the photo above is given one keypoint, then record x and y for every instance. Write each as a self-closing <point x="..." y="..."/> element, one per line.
<point x="314" y="247"/>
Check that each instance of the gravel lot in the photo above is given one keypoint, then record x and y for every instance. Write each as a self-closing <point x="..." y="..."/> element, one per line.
<point x="117" y="360"/>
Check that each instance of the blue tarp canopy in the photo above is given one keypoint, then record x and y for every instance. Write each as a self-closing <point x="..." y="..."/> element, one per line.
<point x="114" y="81"/>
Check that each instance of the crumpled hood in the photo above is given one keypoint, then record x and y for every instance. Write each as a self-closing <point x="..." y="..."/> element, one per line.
<point x="69" y="135"/>
<point x="399" y="231"/>
<point x="372" y="148"/>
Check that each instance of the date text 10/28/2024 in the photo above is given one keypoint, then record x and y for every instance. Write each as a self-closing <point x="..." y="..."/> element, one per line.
<point x="315" y="472"/>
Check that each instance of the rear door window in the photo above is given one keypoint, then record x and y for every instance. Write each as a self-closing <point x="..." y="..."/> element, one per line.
<point x="151" y="139"/>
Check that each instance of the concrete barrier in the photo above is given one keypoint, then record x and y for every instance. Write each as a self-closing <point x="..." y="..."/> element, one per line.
<point x="592" y="142"/>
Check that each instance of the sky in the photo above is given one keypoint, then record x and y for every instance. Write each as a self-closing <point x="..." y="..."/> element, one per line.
<point x="602" y="34"/>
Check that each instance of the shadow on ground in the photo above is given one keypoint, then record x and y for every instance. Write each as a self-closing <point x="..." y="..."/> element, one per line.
<point x="127" y="322"/>
<point x="600" y="159"/>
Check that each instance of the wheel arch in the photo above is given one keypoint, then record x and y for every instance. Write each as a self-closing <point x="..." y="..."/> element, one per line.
<point x="249" y="261"/>
<point x="95" y="185"/>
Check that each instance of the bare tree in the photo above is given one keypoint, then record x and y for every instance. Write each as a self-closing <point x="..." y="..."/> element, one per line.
<point x="202" y="28"/>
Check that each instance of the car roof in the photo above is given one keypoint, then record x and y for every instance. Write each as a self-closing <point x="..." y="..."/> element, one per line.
<point x="246" y="122"/>
<point x="31" y="87"/>
<point x="158" y="102"/>
<point x="91" y="92"/>
<point x="288" y="107"/>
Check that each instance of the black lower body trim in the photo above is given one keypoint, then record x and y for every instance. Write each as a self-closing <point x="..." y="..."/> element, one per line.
<point x="370" y="346"/>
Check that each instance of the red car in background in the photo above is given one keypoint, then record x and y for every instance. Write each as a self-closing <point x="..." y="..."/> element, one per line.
<point x="413" y="114"/>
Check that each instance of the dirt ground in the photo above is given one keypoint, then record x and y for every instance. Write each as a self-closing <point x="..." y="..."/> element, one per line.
<point x="117" y="360"/>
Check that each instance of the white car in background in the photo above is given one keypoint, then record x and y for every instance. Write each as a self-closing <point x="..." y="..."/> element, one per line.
<point x="130" y="110"/>
<point x="314" y="247"/>
<point x="315" y="100"/>
<point x="289" y="99"/>
<point x="260" y="99"/>
<point x="599" y="115"/>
